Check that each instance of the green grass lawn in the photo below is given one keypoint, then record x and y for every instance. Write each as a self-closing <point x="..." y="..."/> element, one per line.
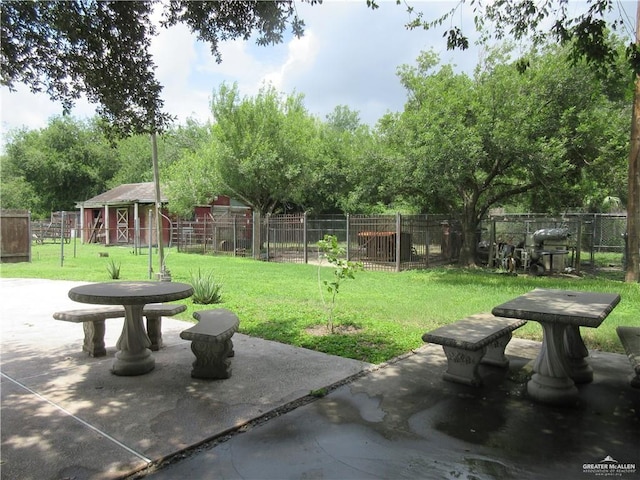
<point x="391" y="311"/>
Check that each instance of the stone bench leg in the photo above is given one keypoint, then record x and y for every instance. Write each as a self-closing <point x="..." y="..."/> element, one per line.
<point x="634" y="378"/>
<point x="463" y="365"/>
<point x="495" y="352"/>
<point x="154" y="331"/>
<point x="94" y="338"/>
<point x="212" y="359"/>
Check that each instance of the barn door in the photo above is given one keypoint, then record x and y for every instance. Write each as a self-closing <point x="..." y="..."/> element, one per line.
<point x="122" y="225"/>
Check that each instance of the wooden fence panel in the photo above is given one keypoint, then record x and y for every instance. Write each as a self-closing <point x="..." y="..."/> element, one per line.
<point x="15" y="236"/>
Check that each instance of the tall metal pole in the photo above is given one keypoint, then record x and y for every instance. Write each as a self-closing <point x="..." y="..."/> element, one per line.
<point x="150" y="247"/>
<point x="62" y="238"/>
<point x="156" y="180"/>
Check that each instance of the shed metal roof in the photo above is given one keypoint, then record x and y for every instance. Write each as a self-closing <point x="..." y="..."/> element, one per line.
<point x="126" y="194"/>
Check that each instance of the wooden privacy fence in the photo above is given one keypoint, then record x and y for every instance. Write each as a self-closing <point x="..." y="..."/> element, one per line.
<point x="15" y="236"/>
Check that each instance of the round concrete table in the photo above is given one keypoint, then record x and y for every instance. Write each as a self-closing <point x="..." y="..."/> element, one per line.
<point x="134" y="356"/>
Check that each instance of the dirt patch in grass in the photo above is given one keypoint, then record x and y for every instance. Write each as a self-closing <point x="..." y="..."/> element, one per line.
<point x="322" y="330"/>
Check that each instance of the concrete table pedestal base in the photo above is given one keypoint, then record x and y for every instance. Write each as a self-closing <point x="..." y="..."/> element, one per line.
<point x="551" y="382"/>
<point x="134" y="356"/>
<point x="579" y="370"/>
<point x="129" y="364"/>
<point x="552" y="390"/>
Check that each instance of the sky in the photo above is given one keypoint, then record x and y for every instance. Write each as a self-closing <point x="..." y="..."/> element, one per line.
<point x="349" y="56"/>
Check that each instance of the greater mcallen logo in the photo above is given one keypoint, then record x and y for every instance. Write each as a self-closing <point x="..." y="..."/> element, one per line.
<point x="609" y="467"/>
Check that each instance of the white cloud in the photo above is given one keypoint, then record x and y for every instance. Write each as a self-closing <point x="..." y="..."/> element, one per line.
<point x="175" y="55"/>
<point x="359" y="50"/>
<point x="302" y="53"/>
<point x="240" y="64"/>
<point x="22" y="108"/>
<point x="348" y="56"/>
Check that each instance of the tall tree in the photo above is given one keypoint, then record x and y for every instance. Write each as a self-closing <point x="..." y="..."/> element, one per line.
<point x="101" y="49"/>
<point x="468" y="144"/>
<point x="134" y="161"/>
<point x="16" y="192"/>
<point x="264" y="145"/>
<point x="343" y="144"/>
<point x="633" y="202"/>
<point x="589" y="114"/>
<point x="587" y="32"/>
<point x="66" y="162"/>
<point x="193" y="180"/>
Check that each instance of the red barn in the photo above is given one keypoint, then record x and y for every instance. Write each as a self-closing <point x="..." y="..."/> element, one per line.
<point x="125" y="215"/>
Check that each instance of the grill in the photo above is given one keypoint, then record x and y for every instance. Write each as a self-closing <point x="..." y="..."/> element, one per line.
<point x="548" y="250"/>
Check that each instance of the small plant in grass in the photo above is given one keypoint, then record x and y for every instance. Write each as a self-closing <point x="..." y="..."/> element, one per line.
<point x="342" y="270"/>
<point x="113" y="268"/>
<point x="205" y="289"/>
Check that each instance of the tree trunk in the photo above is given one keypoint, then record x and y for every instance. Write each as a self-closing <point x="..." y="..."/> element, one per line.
<point x="633" y="202"/>
<point x="467" y="256"/>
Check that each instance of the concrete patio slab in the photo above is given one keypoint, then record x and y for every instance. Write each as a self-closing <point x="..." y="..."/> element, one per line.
<point x="404" y="421"/>
<point x="65" y="416"/>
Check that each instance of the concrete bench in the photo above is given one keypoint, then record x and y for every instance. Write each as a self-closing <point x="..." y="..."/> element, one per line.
<point x="480" y="338"/>
<point x="211" y="342"/>
<point x="630" y="339"/>
<point x="93" y="323"/>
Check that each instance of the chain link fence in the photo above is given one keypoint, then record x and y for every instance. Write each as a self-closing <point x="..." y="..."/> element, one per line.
<point x="587" y="236"/>
<point x="380" y="242"/>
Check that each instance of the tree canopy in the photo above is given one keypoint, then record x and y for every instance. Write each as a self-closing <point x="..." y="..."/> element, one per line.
<point x="585" y="29"/>
<point x="57" y="166"/>
<point x="70" y="160"/>
<point x="265" y="145"/>
<point x="587" y="33"/>
<point x="101" y="49"/>
<point x="466" y="144"/>
<point x="549" y="138"/>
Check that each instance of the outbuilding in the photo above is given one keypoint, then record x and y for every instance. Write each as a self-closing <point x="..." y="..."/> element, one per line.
<point x="123" y="215"/>
<point x="126" y="215"/>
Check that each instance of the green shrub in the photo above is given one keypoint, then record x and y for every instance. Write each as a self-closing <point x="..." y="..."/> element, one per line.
<point x="205" y="289"/>
<point x="113" y="268"/>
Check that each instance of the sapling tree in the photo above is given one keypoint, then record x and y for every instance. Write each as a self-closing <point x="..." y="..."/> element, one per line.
<point x="343" y="269"/>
